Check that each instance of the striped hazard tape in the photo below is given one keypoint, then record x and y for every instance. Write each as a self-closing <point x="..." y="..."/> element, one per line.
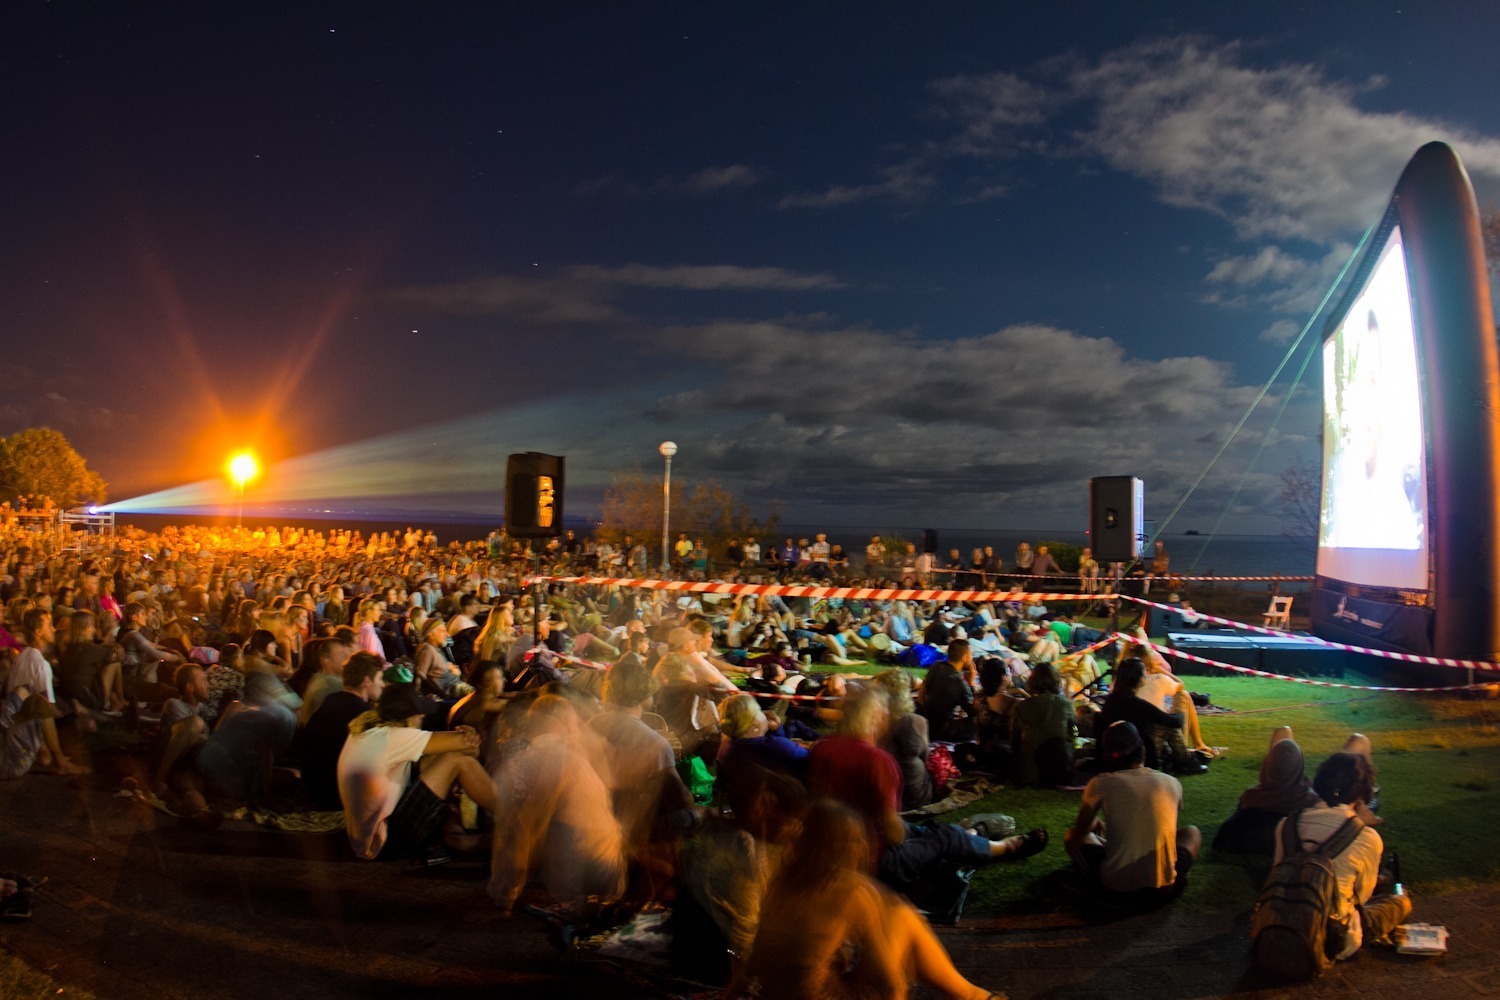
<point x="1436" y="661"/>
<point x="1179" y="654"/>
<point x="799" y="590"/>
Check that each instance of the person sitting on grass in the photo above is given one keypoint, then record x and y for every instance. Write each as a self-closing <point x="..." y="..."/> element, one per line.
<point x="394" y="779"/>
<point x="1344" y="782"/>
<point x="1044" y="729"/>
<point x="826" y="929"/>
<point x="636" y="764"/>
<point x="906" y="739"/>
<point x="142" y="658"/>
<point x="851" y="768"/>
<point x="1137" y="852"/>
<point x="180" y="739"/>
<point x="88" y="672"/>
<point x="1164" y="686"/>
<point x="1148" y="719"/>
<point x="1282" y="789"/>
<point x="322" y="739"/>
<point x="556" y="815"/>
<point x="321" y="674"/>
<point x="27" y="728"/>
<point x="433" y="668"/>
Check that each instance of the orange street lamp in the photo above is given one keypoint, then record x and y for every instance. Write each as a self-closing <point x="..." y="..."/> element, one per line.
<point x="242" y="468"/>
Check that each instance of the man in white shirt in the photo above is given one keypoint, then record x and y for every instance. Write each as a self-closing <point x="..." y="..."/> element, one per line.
<point x="394" y="778"/>
<point x="1344" y="782"/>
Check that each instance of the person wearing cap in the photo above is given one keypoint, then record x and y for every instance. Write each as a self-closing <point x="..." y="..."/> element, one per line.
<point x="434" y="669"/>
<point x="1137" y="850"/>
<point x="394" y="778"/>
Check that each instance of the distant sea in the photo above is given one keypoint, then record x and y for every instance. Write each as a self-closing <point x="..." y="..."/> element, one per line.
<point x="1221" y="555"/>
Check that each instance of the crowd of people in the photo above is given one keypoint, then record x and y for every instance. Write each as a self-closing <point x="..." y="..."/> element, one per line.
<point x="891" y="561"/>
<point x="608" y="747"/>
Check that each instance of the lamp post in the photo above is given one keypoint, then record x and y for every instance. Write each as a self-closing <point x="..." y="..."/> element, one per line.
<point x="242" y="469"/>
<point x="667" y="449"/>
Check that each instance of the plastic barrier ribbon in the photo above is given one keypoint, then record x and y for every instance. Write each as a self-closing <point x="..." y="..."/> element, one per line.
<point x="1169" y="651"/>
<point x="1437" y="661"/>
<point x="799" y="590"/>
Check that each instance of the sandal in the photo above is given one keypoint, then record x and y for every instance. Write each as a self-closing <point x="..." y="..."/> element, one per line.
<point x="1032" y="842"/>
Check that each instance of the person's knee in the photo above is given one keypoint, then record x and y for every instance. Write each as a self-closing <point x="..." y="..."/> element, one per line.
<point x="193" y="726"/>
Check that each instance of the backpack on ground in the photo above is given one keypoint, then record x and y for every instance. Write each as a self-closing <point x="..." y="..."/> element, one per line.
<point x="1289" y="929"/>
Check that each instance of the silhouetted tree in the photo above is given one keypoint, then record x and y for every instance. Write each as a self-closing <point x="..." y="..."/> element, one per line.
<point x="1301" y="498"/>
<point x="39" y="463"/>
<point x="706" y="510"/>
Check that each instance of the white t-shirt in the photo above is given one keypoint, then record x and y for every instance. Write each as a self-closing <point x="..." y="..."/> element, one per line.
<point x="31" y="669"/>
<point x="372" y="773"/>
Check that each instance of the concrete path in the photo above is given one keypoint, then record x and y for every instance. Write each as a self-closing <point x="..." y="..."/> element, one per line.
<point x="139" y="907"/>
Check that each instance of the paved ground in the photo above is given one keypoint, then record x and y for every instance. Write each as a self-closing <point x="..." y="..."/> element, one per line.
<point x="138" y="907"/>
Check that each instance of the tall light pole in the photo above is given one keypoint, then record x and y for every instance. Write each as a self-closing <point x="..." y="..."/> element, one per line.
<point x="242" y="469"/>
<point x="667" y="449"/>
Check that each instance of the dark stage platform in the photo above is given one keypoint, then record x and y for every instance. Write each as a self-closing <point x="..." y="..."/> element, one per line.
<point x="1275" y="654"/>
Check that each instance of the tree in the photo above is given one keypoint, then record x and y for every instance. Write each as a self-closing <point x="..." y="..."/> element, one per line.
<point x="40" y="464"/>
<point x="1301" y="499"/>
<point x="707" y="510"/>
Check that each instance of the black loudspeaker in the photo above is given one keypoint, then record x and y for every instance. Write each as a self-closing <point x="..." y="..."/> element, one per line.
<point x="1116" y="509"/>
<point x="533" y="495"/>
<point x="929" y="540"/>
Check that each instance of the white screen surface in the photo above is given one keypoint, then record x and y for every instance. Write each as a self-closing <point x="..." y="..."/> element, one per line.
<point x="1373" y="523"/>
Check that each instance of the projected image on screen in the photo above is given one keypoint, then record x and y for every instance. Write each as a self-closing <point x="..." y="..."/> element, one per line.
<point x="1373" y="524"/>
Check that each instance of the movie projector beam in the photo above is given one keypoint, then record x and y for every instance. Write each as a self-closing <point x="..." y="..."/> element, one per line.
<point x="461" y="459"/>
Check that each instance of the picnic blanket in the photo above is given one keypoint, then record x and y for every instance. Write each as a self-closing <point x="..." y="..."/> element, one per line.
<point x="962" y="791"/>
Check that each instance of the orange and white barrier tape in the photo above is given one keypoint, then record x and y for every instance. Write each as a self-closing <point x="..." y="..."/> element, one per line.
<point x="1436" y="661"/>
<point x="1105" y="578"/>
<point x="1169" y="651"/>
<point x="798" y="590"/>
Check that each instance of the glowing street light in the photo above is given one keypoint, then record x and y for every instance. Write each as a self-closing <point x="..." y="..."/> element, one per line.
<point x="242" y="468"/>
<point x="667" y="449"/>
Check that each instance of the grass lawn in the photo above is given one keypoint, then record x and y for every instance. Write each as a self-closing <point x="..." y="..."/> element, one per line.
<point x="1435" y="757"/>
<point x="18" y="981"/>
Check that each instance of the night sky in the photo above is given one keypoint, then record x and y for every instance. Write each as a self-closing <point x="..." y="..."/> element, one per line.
<point x="888" y="264"/>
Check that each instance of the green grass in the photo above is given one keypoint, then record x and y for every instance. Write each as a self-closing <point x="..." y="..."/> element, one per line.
<point x="1434" y="756"/>
<point x="19" y="981"/>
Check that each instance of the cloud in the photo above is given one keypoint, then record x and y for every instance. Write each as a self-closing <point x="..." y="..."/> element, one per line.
<point x="1270" y="263"/>
<point x="735" y="175"/>
<point x="547" y="301"/>
<point x="1280" y="332"/>
<point x="709" y="180"/>
<point x="715" y="277"/>
<point x="587" y="293"/>
<point x="855" y="416"/>
<point x="908" y="182"/>
<point x="1282" y="152"/>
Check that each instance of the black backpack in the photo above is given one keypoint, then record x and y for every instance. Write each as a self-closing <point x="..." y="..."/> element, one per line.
<point x="1289" y="929"/>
